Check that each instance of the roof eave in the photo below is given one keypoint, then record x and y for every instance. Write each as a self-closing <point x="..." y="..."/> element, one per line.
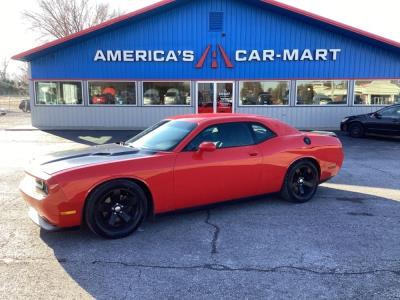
<point x="278" y="6"/>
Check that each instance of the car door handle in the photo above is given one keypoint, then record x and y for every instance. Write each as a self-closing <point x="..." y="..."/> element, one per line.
<point x="253" y="153"/>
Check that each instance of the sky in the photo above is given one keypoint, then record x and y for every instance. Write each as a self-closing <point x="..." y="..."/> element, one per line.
<point x="379" y="17"/>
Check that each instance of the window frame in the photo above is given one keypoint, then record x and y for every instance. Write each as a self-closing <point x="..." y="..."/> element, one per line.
<point x="61" y="105"/>
<point x="262" y="125"/>
<point x="169" y="105"/>
<point x="111" y="105"/>
<point x="389" y="106"/>
<point x="248" y="125"/>
<point x="368" y="105"/>
<point x="261" y="105"/>
<point x="320" y="105"/>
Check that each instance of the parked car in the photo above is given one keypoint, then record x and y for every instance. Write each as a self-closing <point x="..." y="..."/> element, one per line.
<point x="249" y="100"/>
<point x="151" y="97"/>
<point x="264" y="99"/>
<point x="172" y="97"/>
<point x="2" y="112"/>
<point x="385" y="121"/>
<point x="25" y="105"/>
<point x="99" y="100"/>
<point x="181" y="162"/>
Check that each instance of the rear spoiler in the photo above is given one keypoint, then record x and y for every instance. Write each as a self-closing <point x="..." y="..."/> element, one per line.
<point x="330" y="133"/>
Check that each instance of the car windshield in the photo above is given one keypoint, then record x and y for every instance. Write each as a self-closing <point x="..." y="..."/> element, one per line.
<point x="163" y="136"/>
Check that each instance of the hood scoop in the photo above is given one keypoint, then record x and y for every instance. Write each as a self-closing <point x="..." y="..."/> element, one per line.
<point x="94" y="154"/>
<point x="114" y="153"/>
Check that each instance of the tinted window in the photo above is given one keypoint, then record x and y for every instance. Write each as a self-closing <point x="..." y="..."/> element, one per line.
<point x="223" y="136"/>
<point x="392" y="112"/>
<point x="261" y="133"/>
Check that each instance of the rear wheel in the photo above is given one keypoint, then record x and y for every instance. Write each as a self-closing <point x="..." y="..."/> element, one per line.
<point x="116" y="209"/>
<point x="356" y="130"/>
<point x="301" y="182"/>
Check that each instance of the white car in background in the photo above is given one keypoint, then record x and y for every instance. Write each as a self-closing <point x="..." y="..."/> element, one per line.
<point x="173" y="96"/>
<point x="151" y="97"/>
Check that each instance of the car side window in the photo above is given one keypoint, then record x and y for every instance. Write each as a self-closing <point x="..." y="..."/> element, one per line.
<point x="397" y="113"/>
<point x="223" y="136"/>
<point x="210" y="134"/>
<point x="393" y="112"/>
<point x="261" y="133"/>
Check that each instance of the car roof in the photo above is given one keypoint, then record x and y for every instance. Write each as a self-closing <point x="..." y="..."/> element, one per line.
<point x="213" y="116"/>
<point x="275" y="125"/>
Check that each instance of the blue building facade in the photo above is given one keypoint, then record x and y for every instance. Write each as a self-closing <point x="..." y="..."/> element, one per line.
<point x="212" y="56"/>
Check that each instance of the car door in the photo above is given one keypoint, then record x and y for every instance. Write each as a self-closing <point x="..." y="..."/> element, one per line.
<point x="384" y="121"/>
<point x="396" y="120"/>
<point x="232" y="171"/>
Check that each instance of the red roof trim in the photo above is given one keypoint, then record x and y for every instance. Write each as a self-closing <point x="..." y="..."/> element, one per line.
<point x="135" y="13"/>
<point x="23" y="55"/>
<point x="332" y="22"/>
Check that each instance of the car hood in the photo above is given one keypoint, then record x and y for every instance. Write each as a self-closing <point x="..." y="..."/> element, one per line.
<point x="359" y="116"/>
<point x="59" y="161"/>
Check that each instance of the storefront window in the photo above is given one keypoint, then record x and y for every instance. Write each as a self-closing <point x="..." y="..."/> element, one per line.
<point x="264" y="92"/>
<point x="166" y="93"/>
<point x="332" y="92"/>
<point x="58" y="93"/>
<point x="376" y="92"/>
<point x="112" y="93"/>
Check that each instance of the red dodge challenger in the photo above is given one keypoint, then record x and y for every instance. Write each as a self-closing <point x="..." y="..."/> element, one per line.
<point x="180" y="162"/>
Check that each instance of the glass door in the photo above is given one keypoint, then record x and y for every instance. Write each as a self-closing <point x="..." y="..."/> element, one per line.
<point x="215" y="97"/>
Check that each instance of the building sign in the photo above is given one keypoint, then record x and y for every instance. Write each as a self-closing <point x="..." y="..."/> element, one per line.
<point x="240" y="55"/>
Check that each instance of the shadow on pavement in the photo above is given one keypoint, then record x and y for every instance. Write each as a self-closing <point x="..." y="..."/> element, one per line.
<point x="239" y="249"/>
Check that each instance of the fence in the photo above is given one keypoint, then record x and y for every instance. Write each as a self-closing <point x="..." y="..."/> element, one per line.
<point x="11" y="103"/>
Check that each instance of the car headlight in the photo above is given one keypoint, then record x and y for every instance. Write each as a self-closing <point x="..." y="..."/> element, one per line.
<point x="345" y="120"/>
<point x="41" y="185"/>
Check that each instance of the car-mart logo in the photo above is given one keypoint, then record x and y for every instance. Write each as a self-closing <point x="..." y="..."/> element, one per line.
<point x="214" y="63"/>
<point x="240" y="56"/>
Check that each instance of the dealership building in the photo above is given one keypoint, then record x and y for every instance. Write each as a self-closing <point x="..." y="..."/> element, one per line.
<point x="232" y="56"/>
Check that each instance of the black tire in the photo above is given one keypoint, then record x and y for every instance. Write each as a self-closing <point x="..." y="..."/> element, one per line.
<point x="116" y="209"/>
<point x="301" y="182"/>
<point x="356" y="130"/>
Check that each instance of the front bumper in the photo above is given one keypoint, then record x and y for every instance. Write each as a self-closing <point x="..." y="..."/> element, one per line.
<point x="41" y="222"/>
<point x="50" y="211"/>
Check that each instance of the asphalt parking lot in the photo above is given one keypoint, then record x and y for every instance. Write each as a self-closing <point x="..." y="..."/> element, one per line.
<point x="345" y="243"/>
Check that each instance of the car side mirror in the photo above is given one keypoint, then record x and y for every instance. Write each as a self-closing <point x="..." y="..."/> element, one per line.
<point x="207" y="147"/>
<point x="377" y="115"/>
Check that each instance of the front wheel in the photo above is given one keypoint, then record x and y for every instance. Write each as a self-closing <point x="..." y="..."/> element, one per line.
<point x="356" y="130"/>
<point x="116" y="209"/>
<point x="301" y="182"/>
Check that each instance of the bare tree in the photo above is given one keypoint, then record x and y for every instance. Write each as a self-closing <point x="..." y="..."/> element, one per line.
<point x="3" y="68"/>
<point x="60" y="18"/>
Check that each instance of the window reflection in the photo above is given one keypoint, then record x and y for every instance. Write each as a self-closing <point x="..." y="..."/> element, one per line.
<point x="328" y="92"/>
<point x="264" y="93"/>
<point x="376" y="92"/>
<point x="112" y="93"/>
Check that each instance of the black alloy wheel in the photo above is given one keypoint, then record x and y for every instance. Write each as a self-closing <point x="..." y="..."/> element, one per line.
<point x="301" y="182"/>
<point x="356" y="130"/>
<point x="116" y="209"/>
